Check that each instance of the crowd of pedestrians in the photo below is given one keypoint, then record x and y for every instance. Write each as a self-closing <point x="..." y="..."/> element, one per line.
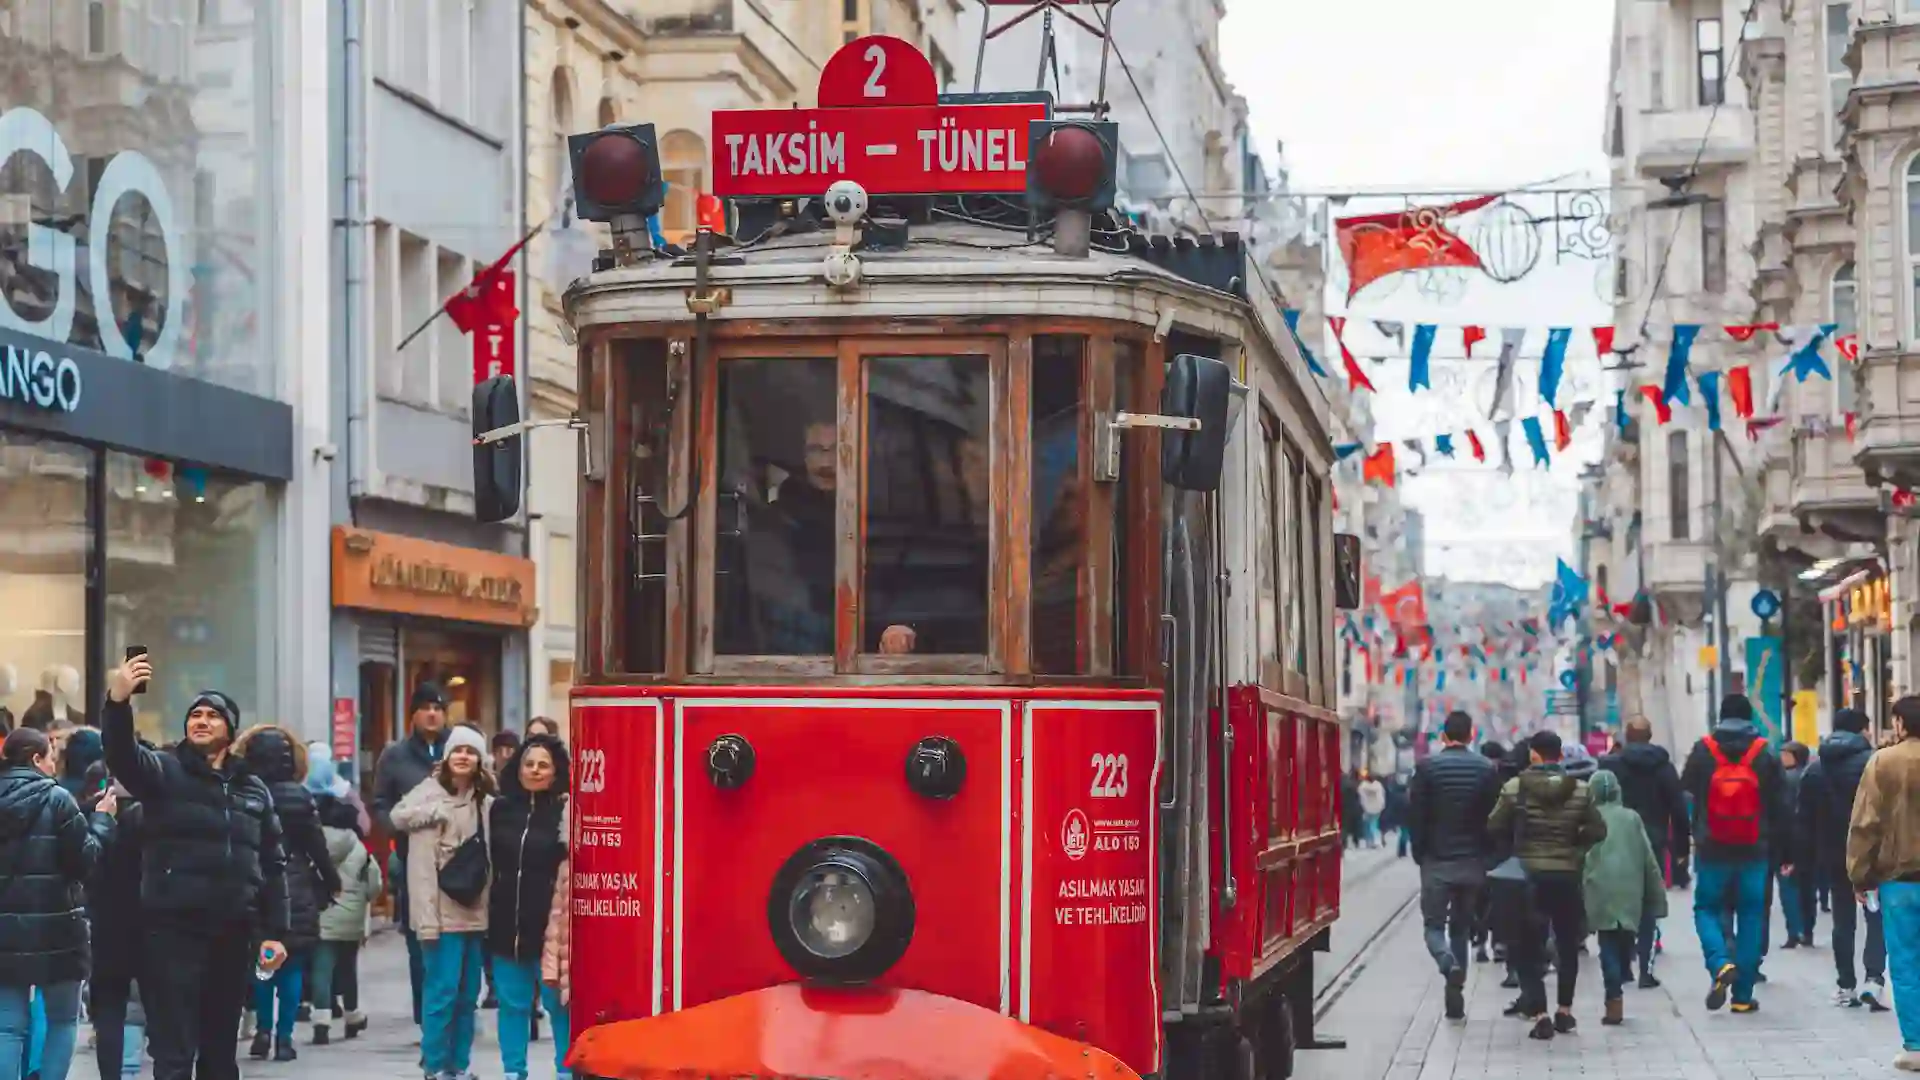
<point x="216" y="892"/>
<point x="1541" y="847"/>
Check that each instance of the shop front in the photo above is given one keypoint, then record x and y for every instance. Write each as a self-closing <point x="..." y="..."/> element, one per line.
<point x="421" y="611"/>
<point x="1859" y="616"/>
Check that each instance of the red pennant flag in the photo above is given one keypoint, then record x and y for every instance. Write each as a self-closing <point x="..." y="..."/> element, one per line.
<point x="1470" y="335"/>
<point x="1601" y="591"/>
<point x="1479" y="452"/>
<point x="1379" y="465"/>
<point x="1660" y="407"/>
<point x="1745" y="333"/>
<point x="1853" y="424"/>
<point x="1624" y="611"/>
<point x="1603" y="340"/>
<point x="1562" y="431"/>
<point x="1417" y="238"/>
<point x="1849" y="346"/>
<point x="1755" y="427"/>
<point x="1355" y="377"/>
<point x="1740" y="388"/>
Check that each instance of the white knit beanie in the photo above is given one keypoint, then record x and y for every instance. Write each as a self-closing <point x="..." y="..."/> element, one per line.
<point x="462" y="735"/>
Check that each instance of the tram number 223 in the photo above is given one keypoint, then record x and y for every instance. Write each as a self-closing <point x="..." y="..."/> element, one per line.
<point x="1109" y="777"/>
<point x="593" y="771"/>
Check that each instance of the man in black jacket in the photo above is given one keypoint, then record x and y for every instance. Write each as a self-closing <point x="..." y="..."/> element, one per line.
<point x="402" y="766"/>
<point x="1650" y="787"/>
<point x="1448" y="802"/>
<point x="212" y="877"/>
<point x="1827" y="789"/>
<point x="1736" y="846"/>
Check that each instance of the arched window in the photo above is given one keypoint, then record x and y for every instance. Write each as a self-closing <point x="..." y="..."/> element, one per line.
<point x="683" y="161"/>
<point x="562" y="94"/>
<point x="609" y="115"/>
<point x="1843" y="312"/>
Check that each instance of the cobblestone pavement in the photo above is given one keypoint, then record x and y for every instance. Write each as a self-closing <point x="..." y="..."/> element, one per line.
<point x="1392" y="1016"/>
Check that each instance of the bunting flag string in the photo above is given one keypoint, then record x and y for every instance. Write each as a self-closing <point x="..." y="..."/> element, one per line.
<point x="1292" y="315"/>
<point x="1355" y="377"/>
<point x="1710" y="396"/>
<point x="1552" y="362"/>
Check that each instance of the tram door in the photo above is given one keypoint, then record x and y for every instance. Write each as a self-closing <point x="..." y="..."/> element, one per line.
<point x="1188" y="560"/>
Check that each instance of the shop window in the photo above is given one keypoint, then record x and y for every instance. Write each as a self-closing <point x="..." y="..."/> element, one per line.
<point x="45" y="539"/>
<point x="191" y="568"/>
<point x="778" y="483"/>
<point x="467" y="667"/>
<point x="927" y="486"/>
<point x="1059" y="510"/>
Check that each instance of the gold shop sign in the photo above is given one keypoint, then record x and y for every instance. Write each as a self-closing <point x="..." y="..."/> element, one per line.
<point x="409" y="576"/>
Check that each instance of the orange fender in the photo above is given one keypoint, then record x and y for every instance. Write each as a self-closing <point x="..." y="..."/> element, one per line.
<point x="865" y="1033"/>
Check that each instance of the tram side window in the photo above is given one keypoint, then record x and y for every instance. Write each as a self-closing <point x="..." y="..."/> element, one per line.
<point x="774" y="531"/>
<point x="644" y="560"/>
<point x="1267" y="536"/>
<point x="1318" y="620"/>
<point x="1298" y="581"/>
<point x="927" y="490"/>
<point x="1059" y="510"/>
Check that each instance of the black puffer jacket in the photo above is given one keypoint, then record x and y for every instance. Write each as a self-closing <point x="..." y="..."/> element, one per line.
<point x="1650" y="787"/>
<point x="47" y="850"/>
<point x="210" y="852"/>
<point x="1448" y="802"/>
<point x="1827" y="789"/>
<point x="281" y="760"/>
<point x="527" y="834"/>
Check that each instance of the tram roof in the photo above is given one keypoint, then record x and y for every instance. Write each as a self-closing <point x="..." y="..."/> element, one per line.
<point x="957" y="269"/>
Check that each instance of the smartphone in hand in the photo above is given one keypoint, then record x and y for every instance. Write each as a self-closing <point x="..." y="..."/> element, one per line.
<point x="133" y="651"/>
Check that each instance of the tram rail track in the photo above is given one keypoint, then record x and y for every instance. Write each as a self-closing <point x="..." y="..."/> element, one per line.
<point x="1356" y="965"/>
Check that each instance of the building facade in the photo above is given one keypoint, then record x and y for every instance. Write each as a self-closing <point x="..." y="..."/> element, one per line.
<point x="426" y="189"/>
<point x="162" y="389"/>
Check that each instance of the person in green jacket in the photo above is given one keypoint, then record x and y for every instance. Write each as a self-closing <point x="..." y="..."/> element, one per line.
<point x="1623" y="883"/>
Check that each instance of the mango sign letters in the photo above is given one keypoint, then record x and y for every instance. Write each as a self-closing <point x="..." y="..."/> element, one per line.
<point x="885" y="129"/>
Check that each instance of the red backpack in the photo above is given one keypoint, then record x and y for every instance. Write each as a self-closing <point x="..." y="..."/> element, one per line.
<point x="1733" y="796"/>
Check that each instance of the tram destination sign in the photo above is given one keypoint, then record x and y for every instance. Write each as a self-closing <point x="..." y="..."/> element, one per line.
<point x="882" y="125"/>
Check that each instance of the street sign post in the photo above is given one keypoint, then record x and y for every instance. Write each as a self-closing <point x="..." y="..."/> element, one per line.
<point x="882" y="125"/>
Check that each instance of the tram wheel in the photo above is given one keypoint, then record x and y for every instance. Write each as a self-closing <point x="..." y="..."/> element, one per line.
<point x="1277" y="1040"/>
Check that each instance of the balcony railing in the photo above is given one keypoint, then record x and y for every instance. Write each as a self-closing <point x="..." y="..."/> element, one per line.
<point x="684" y="16"/>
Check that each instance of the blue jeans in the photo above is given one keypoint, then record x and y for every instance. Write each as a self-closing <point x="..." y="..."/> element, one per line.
<point x="1798" y="919"/>
<point x="1373" y="830"/>
<point x="1900" y="918"/>
<point x="1741" y="887"/>
<point x="448" y="1000"/>
<point x="62" y="1004"/>
<point x="282" y="990"/>
<point x="1616" y="959"/>
<point x="515" y="982"/>
<point x="130" y="1058"/>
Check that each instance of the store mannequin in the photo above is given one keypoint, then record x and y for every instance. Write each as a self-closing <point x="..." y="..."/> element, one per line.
<point x="53" y="699"/>
<point x="67" y="690"/>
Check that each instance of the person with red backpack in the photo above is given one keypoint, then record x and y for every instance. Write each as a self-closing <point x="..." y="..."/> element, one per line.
<point x="1742" y="829"/>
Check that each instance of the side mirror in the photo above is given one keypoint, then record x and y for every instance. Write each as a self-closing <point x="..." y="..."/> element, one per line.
<point x="1198" y="388"/>
<point x="496" y="465"/>
<point x="1346" y="572"/>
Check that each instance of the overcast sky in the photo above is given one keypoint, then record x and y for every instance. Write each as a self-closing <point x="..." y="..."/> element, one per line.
<point x="1406" y="95"/>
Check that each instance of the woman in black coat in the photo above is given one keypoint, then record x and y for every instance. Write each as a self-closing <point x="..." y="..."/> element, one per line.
<point x="48" y="848"/>
<point x="527" y="836"/>
<point x="279" y="759"/>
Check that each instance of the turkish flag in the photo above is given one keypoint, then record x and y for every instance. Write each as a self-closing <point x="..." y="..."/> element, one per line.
<point x="1406" y="607"/>
<point x="1603" y="340"/>
<point x="1740" y="388"/>
<point x="1379" y="465"/>
<point x="487" y="300"/>
<point x="1745" y="333"/>
<point x="1376" y="245"/>
<point x="1849" y="346"/>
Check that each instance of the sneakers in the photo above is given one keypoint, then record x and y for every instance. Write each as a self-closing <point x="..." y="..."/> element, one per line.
<point x="1616" y="1013"/>
<point x="1564" y="1023"/>
<point x="1744" y="1007"/>
<point x="1511" y="982"/>
<point x="283" y="1050"/>
<point x="1908" y="1061"/>
<point x="1844" y="997"/>
<point x="356" y="1023"/>
<point x="1480" y="955"/>
<point x="1722" y="983"/>
<point x="262" y="1046"/>
<point x="1457" y="994"/>
<point x="1874" y="995"/>
<point x="1648" y="982"/>
<point x="1542" y="1029"/>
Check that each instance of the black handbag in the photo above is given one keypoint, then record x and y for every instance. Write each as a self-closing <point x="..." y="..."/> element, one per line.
<point x="465" y="875"/>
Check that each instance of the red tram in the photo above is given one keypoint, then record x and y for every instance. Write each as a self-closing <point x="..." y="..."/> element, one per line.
<point x="955" y="673"/>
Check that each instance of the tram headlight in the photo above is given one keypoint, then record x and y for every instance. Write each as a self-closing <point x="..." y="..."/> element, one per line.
<point x="841" y="910"/>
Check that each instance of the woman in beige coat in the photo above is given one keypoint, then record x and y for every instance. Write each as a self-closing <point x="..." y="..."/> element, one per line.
<point x="448" y="808"/>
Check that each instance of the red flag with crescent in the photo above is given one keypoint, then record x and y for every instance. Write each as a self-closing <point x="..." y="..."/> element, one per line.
<point x="1849" y="346"/>
<point x="1417" y="238"/>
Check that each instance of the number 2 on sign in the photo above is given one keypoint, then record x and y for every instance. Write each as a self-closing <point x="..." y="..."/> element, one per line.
<point x="878" y="57"/>
<point x="1109" y="776"/>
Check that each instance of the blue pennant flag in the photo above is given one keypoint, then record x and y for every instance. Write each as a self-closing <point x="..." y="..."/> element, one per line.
<point x="1620" y="410"/>
<point x="1536" y="439"/>
<point x="1293" y="327"/>
<point x="1443" y="445"/>
<point x="1440" y="680"/>
<point x="1675" y="387"/>
<point x="1417" y="375"/>
<point x="1569" y="593"/>
<point x="1710" y="391"/>
<point x="1552" y="361"/>
<point x="1806" y="359"/>
<point x="1347" y="450"/>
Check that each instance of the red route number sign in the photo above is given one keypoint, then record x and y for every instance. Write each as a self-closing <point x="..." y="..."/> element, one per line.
<point x="881" y="125"/>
